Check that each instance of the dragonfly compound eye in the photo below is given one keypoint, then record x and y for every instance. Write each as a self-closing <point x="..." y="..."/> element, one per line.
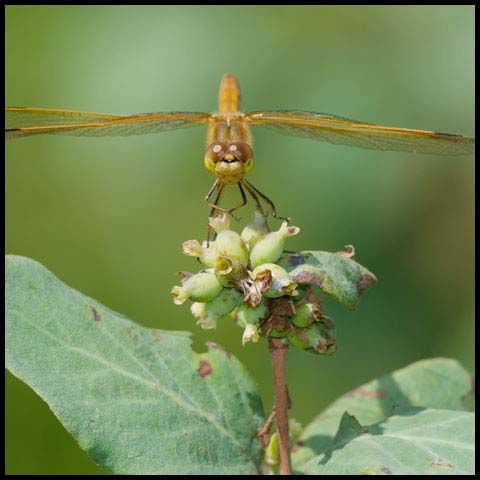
<point x="215" y="153"/>
<point x="243" y="152"/>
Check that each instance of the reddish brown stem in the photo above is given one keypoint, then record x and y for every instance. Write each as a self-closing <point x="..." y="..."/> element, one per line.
<point x="279" y="353"/>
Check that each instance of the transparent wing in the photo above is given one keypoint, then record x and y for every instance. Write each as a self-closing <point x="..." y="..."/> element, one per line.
<point x="329" y="128"/>
<point x="22" y="122"/>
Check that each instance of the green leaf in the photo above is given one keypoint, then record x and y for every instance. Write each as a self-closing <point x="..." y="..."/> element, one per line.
<point x="435" y="383"/>
<point x="412" y="442"/>
<point x="138" y="400"/>
<point x="342" y="278"/>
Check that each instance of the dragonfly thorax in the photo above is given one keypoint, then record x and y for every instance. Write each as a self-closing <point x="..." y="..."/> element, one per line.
<point x="230" y="161"/>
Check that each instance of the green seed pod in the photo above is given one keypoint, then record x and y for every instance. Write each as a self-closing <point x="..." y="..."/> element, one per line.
<point x="298" y="338"/>
<point x="201" y="287"/>
<point x="275" y="333"/>
<point x="207" y="255"/>
<point x="305" y="314"/>
<point x="224" y="303"/>
<point x="228" y="243"/>
<point x="316" y="338"/>
<point x="221" y="306"/>
<point x="251" y="315"/>
<point x="205" y="321"/>
<point x="254" y="230"/>
<point x="269" y="247"/>
<point x="229" y="271"/>
<point x="271" y="452"/>
<point x="281" y="283"/>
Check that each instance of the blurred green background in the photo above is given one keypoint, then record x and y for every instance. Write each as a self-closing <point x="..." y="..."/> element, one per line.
<point x="108" y="215"/>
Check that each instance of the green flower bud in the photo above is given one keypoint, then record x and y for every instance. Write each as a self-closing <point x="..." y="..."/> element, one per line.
<point x="228" y="243"/>
<point x="250" y="318"/>
<point x="305" y="314"/>
<point x="224" y="303"/>
<point x="281" y="283"/>
<point x="251" y="315"/>
<point x="269" y="247"/>
<point x="201" y="287"/>
<point x="316" y="338"/>
<point x="254" y="230"/>
<point x="250" y="334"/>
<point x="271" y="452"/>
<point x="221" y="306"/>
<point x="229" y="271"/>
<point x="207" y="255"/>
<point x="298" y="338"/>
<point x="219" y="223"/>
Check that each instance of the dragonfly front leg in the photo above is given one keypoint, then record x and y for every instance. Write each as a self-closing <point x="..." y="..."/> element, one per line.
<point x="215" y="208"/>
<point x="214" y="205"/>
<point x="254" y="192"/>
<point x="244" y="200"/>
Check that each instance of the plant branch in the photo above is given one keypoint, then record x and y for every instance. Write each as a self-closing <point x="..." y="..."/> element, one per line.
<point x="278" y="349"/>
<point x="264" y="433"/>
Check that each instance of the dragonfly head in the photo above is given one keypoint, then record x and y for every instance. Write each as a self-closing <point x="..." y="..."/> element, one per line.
<point x="229" y="160"/>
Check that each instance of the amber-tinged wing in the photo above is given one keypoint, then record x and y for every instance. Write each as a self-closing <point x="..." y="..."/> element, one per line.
<point x="329" y="128"/>
<point x="21" y="122"/>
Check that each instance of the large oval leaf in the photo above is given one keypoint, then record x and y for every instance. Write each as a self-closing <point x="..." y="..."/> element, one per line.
<point x="138" y="400"/>
<point x="412" y="442"/>
<point x="435" y="383"/>
<point x="340" y="277"/>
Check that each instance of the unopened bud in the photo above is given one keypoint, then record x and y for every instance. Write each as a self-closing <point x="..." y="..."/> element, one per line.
<point x="229" y="271"/>
<point x="254" y="230"/>
<point x="220" y="222"/>
<point x="207" y="255"/>
<point x="224" y="303"/>
<point x="221" y="306"/>
<point x="228" y="243"/>
<point x="316" y="338"/>
<point x="250" y="334"/>
<point x="271" y="452"/>
<point x="251" y="315"/>
<point x="281" y="283"/>
<point x="201" y="287"/>
<point x="269" y="247"/>
<point x="305" y="314"/>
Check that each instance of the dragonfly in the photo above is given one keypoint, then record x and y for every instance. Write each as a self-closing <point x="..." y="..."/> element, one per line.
<point x="229" y="152"/>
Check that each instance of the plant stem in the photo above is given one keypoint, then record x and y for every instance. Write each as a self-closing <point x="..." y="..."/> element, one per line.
<point x="279" y="353"/>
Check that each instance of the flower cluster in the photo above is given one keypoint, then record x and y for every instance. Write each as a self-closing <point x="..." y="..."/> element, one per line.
<point x="241" y="280"/>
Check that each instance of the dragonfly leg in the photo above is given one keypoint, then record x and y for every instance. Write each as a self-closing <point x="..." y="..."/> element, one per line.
<point x="215" y="208"/>
<point x="244" y="200"/>
<point x="254" y="192"/>
<point x="258" y="205"/>
<point x="214" y="205"/>
<point x="257" y="201"/>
